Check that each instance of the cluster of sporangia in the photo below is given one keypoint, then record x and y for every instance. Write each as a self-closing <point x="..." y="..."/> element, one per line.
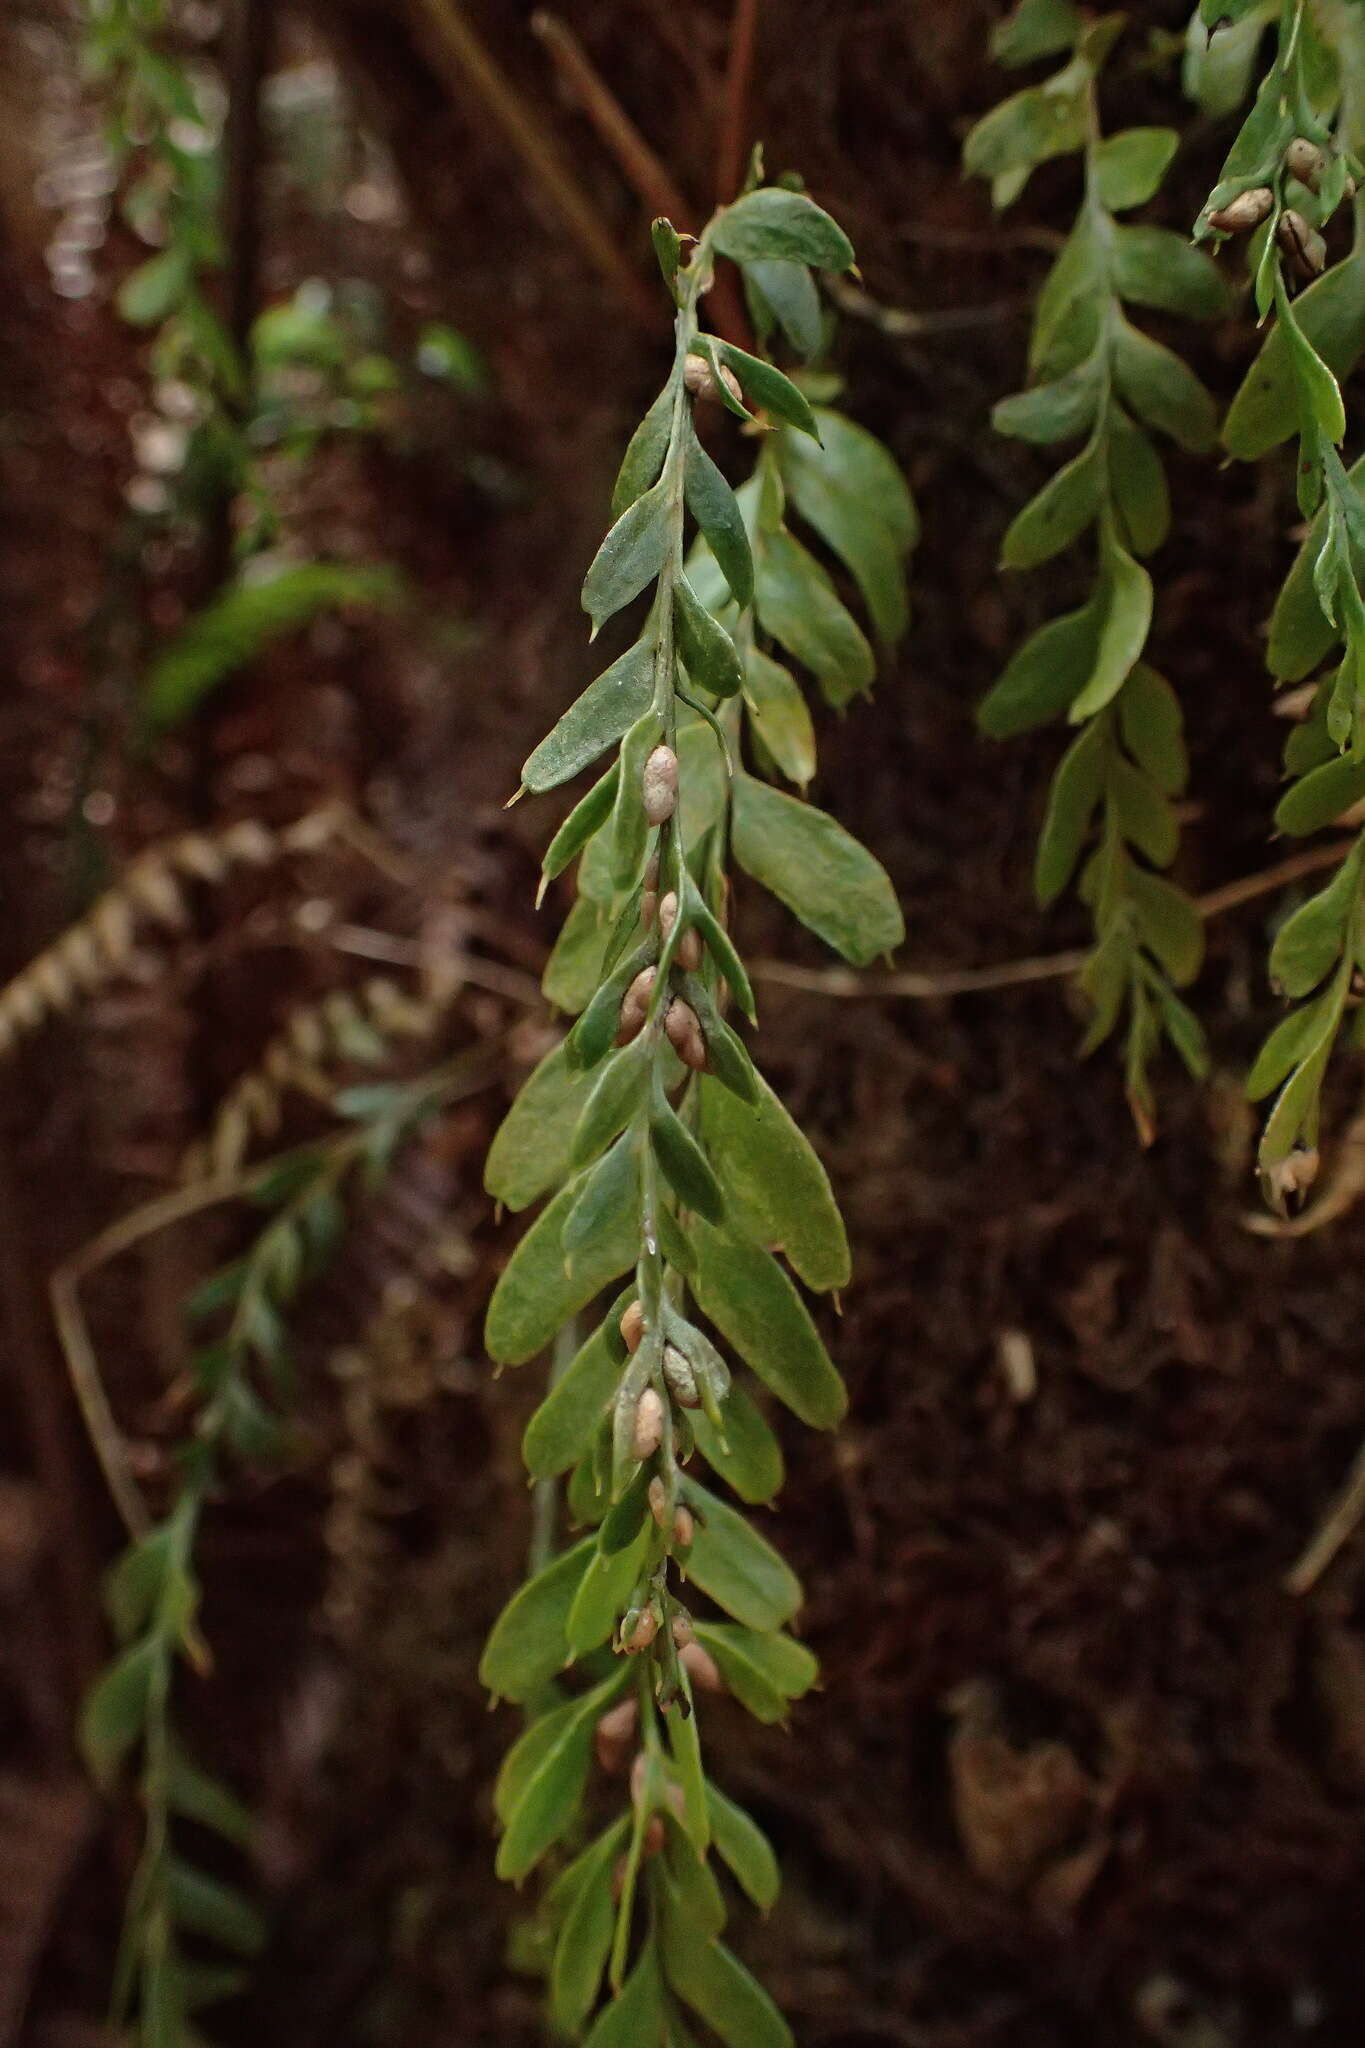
<point x="1302" y="247"/>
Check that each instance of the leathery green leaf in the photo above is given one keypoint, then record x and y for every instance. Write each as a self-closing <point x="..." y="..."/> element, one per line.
<point x="584" y="1940"/>
<point x="630" y="557"/>
<point x="737" y="2008"/>
<point x="745" y="1293"/>
<point x="818" y="870"/>
<point x="779" y="716"/>
<point x="561" y="1429"/>
<point x="750" y="1458"/>
<point x="636" y="2018"/>
<point x="744" y="1848"/>
<point x="765" y="1671"/>
<point x="527" y="1645"/>
<point x="530" y="1152"/>
<point x="736" y="1567"/>
<point x="799" y="606"/>
<point x="705" y="646"/>
<point x="715" y="508"/>
<point x="537" y="1293"/>
<point x="1076" y="789"/>
<point x="550" y="1787"/>
<point x="770" y="1171"/>
<point x="596" y="721"/>
<point x="775" y="225"/>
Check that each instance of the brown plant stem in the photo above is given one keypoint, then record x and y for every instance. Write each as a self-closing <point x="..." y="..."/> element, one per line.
<point x="922" y="986"/>
<point x="732" y="149"/>
<point x="461" y="56"/>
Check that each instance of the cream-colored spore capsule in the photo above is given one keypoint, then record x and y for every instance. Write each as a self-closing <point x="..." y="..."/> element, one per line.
<point x="689" y="945"/>
<point x="1243" y="213"/>
<point x="659" y="785"/>
<point x="702" y="384"/>
<point x="680" y="1378"/>
<point x="635" y="1006"/>
<point x="641" y="1632"/>
<point x="615" y="1734"/>
<point x="658" y="1500"/>
<point x="649" y="1424"/>
<point x="632" y="1325"/>
<point x="685" y="1035"/>
<point x="1302" y="244"/>
<point x="1306" y="162"/>
<point x="684" y="1528"/>
<point x="701" y="1667"/>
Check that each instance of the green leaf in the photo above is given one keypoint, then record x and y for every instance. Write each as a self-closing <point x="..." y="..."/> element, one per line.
<point x="1164" y="391"/>
<point x="1170" y="925"/>
<point x="1309" y="943"/>
<point x="561" y="1429"/>
<point x="604" y="1591"/>
<point x="705" y="646"/>
<point x="205" y="1905"/>
<point x="531" y="1150"/>
<point x="629" y="825"/>
<point x="245" y="618"/>
<point x="1035" y="28"/>
<point x="645" y="452"/>
<point x="1320" y="797"/>
<point x="685" y="1166"/>
<point x="1331" y="316"/>
<point x="577" y="962"/>
<point x="1027" y="129"/>
<point x="1145" y="818"/>
<point x="736" y="2008"/>
<point x="134" y="1582"/>
<point x="114" y="1711"/>
<point x="1045" y="674"/>
<point x="780" y="716"/>
<point x="1052" y="412"/>
<point x="765" y="1672"/>
<point x="818" y="870"/>
<point x="1318" y="395"/>
<point x="1075" y="791"/>
<point x="595" y="721"/>
<point x="774" y="225"/>
<point x="742" y="1845"/>
<point x="584" y="1941"/>
<point x="779" y="1187"/>
<point x="1062" y="510"/>
<point x="616" y="1093"/>
<point x="1130" y="166"/>
<point x="527" y="1646"/>
<point x="742" y="1290"/>
<point x="798" y="604"/>
<point x="636" y="2018"/>
<point x="1066" y="321"/>
<point x="848" y="487"/>
<point x="1291" y="1042"/>
<point x="151" y="293"/>
<point x="749" y="1459"/>
<point x="630" y="557"/>
<point x="195" y="1795"/>
<point x="542" y="1790"/>
<point x="588" y="816"/>
<point x="786" y="292"/>
<point x="715" y="508"/>
<point x="536" y="1293"/>
<point x="606" y="1198"/>
<point x="685" y="1743"/>
<point x="690" y="1895"/>
<point x="1150" y="720"/>
<point x="736" y="1567"/>
<point x="1127" y="619"/>
<point x="1141" y="501"/>
<point x="1157" y="267"/>
<point x="763" y="384"/>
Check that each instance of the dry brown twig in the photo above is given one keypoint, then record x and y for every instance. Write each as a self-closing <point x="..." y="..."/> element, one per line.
<point x="923" y="986"/>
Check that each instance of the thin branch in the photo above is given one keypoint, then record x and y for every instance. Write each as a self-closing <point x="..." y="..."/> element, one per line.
<point x="648" y="176"/>
<point x="732" y="149"/>
<point x="74" y="1335"/>
<point x="1339" y="1523"/>
<point x="462" y="57"/>
<point x="923" y="986"/>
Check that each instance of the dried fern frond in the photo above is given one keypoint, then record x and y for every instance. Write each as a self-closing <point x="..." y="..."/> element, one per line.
<point x="343" y="1027"/>
<point x="100" y="946"/>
